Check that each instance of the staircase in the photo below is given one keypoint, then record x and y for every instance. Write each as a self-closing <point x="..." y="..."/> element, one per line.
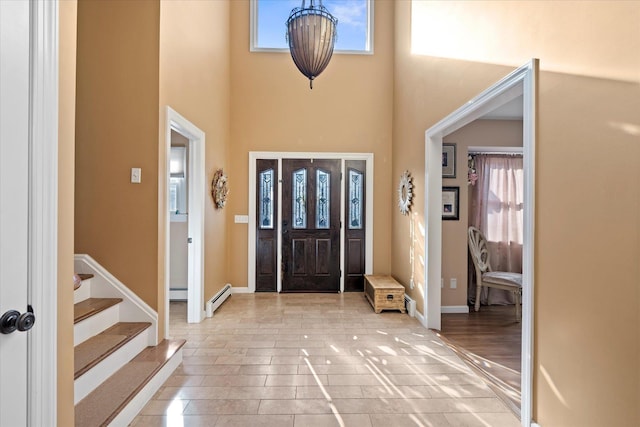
<point x="118" y="363"/>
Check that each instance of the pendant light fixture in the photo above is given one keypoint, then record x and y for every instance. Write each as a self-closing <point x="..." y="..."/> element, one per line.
<point x="311" y="33"/>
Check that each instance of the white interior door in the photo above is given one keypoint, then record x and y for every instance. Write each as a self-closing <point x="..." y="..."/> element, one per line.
<point x="14" y="206"/>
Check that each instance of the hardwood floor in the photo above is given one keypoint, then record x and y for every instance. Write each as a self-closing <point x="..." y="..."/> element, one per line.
<point x="489" y="341"/>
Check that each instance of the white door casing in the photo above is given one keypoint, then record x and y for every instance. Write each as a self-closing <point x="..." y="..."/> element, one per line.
<point x="251" y="253"/>
<point x="28" y="212"/>
<point x="196" y="203"/>
<point x="520" y="82"/>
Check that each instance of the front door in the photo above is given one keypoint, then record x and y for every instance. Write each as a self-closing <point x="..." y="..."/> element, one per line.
<point x="310" y="225"/>
<point x="14" y="205"/>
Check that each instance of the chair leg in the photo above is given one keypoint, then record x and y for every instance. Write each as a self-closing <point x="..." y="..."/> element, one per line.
<point x="518" y="302"/>
<point x="478" y="291"/>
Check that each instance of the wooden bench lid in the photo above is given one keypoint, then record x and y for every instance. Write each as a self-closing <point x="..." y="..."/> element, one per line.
<point x="383" y="282"/>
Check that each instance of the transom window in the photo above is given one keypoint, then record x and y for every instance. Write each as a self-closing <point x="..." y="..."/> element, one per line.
<point x="355" y="24"/>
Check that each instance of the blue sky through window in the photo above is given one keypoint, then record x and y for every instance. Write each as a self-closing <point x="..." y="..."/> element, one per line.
<point x="272" y="16"/>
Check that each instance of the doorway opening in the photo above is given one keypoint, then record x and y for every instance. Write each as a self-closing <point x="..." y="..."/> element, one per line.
<point x="328" y="235"/>
<point x="520" y="83"/>
<point x="183" y="208"/>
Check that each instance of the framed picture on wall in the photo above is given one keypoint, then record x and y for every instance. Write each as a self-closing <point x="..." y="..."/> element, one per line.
<point x="448" y="160"/>
<point x="451" y="203"/>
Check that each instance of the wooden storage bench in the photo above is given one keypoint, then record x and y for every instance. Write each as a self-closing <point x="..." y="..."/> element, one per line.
<point x="384" y="293"/>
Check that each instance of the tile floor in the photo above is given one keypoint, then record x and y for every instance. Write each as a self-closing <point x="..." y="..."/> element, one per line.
<point x="316" y="360"/>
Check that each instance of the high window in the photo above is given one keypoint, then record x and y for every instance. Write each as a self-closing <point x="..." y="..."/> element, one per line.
<point x="355" y="24"/>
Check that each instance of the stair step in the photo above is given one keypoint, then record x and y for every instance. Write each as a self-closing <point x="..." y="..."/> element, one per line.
<point x="91" y="352"/>
<point x="91" y="306"/>
<point x="106" y="402"/>
<point x="78" y="278"/>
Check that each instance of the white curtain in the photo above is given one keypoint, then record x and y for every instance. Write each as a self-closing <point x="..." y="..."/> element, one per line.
<point x="496" y="204"/>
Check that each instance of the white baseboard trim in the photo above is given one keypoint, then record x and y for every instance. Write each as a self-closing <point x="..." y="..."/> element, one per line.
<point x="245" y="290"/>
<point x="535" y="425"/>
<point x="178" y="295"/>
<point x="421" y="318"/>
<point x="454" y="309"/>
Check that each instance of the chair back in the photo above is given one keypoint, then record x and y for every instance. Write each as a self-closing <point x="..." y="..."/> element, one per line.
<point x="479" y="251"/>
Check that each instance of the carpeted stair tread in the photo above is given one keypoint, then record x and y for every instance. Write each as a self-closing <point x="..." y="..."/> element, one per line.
<point x="91" y="306"/>
<point x="103" y="404"/>
<point x="85" y="276"/>
<point x="97" y="348"/>
<point x="78" y="278"/>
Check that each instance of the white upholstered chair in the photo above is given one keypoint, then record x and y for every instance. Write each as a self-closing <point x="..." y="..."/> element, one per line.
<point x="505" y="280"/>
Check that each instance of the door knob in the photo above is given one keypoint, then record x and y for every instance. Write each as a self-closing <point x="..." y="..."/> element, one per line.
<point x="9" y="321"/>
<point x="26" y="320"/>
<point x="12" y="320"/>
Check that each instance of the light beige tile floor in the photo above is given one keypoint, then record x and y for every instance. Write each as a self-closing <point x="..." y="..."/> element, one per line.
<point x="308" y="360"/>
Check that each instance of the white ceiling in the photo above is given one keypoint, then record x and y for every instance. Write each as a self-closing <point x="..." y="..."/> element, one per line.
<point x="510" y="111"/>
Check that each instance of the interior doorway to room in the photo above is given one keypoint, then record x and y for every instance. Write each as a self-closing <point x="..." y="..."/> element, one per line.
<point x="308" y="221"/>
<point x="184" y="212"/>
<point x="178" y="217"/>
<point x="521" y="82"/>
<point x="490" y="340"/>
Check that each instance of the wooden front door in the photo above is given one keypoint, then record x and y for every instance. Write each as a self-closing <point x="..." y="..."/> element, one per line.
<point x="310" y="225"/>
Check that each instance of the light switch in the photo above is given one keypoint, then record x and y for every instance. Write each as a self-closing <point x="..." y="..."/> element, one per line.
<point x="453" y="283"/>
<point x="136" y="175"/>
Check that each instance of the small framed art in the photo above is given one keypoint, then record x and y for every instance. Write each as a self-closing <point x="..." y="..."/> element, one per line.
<point x="448" y="160"/>
<point x="451" y="203"/>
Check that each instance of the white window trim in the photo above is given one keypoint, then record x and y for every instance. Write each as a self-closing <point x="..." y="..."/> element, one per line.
<point x="253" y="33"/>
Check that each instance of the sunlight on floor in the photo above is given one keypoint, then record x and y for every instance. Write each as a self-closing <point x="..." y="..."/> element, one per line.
<point x="321" y="360"/>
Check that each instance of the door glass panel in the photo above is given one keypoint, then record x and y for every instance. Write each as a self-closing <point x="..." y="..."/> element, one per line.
<point x="266" y="199"/>
<point x="322" y="199"/>
<point x="299" y="198"/>
<point x="355" y="199"/>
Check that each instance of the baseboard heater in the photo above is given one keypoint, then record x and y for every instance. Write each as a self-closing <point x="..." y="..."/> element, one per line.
<point x="218" y="299"/>
<point x="410" y="305"/>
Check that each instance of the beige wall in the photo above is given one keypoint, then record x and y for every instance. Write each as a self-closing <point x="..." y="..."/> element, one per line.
<point x="587" y="241"/>
<point x="587" y="326"/>
<point x="273" y="109"/>
<point x="481" y="133"/>
<point x="194" y="81"/>
<point x="116" y="222"/>
<point x="66" y="144"/>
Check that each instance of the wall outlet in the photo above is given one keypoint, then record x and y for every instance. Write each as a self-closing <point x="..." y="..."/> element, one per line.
<point x="453" y="283"/>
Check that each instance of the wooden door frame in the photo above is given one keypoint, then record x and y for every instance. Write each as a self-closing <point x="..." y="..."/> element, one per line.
<point x="255" y="155"/>
<point x="196" y="203"/>
<point x="522" y="81"/>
